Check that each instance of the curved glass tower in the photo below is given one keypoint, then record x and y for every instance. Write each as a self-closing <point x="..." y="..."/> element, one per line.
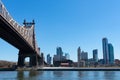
<point x="105" y="50"/>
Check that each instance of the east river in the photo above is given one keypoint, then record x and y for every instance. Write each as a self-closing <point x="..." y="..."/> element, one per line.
<point x="59" y="75"/>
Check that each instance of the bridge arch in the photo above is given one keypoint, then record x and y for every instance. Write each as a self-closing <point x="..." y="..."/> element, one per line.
<point x="33" y="59"/>
<point x="27" y="61"/>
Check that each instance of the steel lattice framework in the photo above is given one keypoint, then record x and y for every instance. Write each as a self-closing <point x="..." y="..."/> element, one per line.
<point x="27" y="34"/>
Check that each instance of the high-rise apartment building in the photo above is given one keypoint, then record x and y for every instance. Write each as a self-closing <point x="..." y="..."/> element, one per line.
<point x="105" y="50"/>
<point x="108" y="52"/>
<point x="111" y="53"/>
<point x="49" y="59"/>
<point x="84" y="56"/>
<point x="59" y="52"/>
<point x="59" y="56"/>
<point x="95" y="55"/>
<point x="60" y="59"/>
<point x="78" y="55"/>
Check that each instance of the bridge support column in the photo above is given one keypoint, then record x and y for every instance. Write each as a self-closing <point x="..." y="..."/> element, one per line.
<point x="39" y="61"/>
<point x="21" y="59"/>
<point x="33" y="60"/>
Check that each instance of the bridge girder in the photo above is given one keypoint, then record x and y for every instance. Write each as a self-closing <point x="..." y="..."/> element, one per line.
<point x="18" y="36"/>
<point x="9" y="34"/>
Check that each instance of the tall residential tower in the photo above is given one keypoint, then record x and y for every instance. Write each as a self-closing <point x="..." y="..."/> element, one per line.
<point x="108" y="52"/>
<point x="111" y="53"/>
<point x="59" y="52"/>
<point x="105" y="50"/>
<point x="78" y="55"/>
<point x="95" y="55"/>
<point x="49" y="59"/>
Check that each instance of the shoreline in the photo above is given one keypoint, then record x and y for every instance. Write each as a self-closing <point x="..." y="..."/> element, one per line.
<point x="7" y="69"/>
<point x="64" y="69"/>
<point x="79" y="69"/>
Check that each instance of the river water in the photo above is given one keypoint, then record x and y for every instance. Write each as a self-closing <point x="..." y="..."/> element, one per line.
<point x="60" y="75"/>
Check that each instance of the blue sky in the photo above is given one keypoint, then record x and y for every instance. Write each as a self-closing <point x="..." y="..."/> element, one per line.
<point x="68" y="24"/>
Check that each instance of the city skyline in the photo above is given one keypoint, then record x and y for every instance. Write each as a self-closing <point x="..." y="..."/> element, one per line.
<point x="68" y="24"/>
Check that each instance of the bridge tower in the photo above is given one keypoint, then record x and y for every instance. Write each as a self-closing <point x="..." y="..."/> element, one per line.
<point x="26" y="53"/>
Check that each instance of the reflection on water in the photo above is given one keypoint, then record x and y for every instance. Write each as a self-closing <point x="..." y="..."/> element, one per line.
<point x="80" y="74"/>
<point x="60" y="75"/>
<point x="20" y="75"/>
<point x="109" y="75"/>
<point x="28" y="75"/>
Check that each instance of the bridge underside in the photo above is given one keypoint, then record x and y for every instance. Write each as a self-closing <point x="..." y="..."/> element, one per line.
<point x="10" y="35"/>
<point x="35" y="60"/>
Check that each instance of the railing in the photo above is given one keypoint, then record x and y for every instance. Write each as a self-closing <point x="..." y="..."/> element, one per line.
<point x="27" y="33"/>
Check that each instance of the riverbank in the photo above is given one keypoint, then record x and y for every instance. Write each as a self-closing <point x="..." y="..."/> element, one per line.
<point x="79" y="69"/>
<point x="63" y="69"/>
<point x="7" y="69"/>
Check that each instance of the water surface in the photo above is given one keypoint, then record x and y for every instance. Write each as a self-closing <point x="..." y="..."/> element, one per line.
<point x="60" y="75"/>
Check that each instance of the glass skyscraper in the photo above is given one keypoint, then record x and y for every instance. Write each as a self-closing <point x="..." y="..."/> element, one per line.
<point x="59" y="52"/>
<point x="95" y="55"/>
<point x="105" y="50"/>
<point x="108" y="52"/>
<point x="111" y="53"/>
<point x="79" y="55"/>
<point x="49" y="59"/>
